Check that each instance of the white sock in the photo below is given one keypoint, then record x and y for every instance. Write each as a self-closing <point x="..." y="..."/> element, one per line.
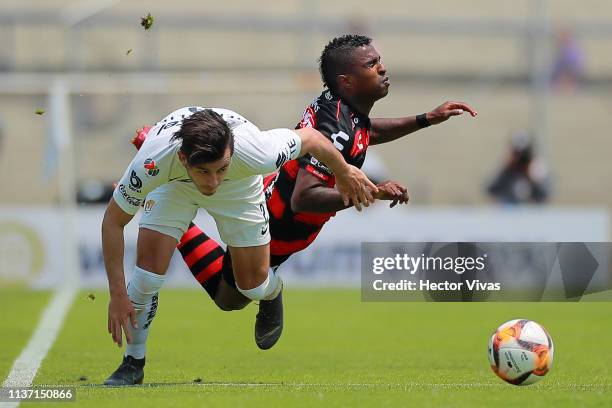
<point x="267" y="290"/>
<point x="143" y="292"/>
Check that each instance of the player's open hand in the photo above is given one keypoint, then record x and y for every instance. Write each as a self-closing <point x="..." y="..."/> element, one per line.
<point x="120" y="312"/>
<point x="393" y="191"/>
<point x="447" y="110"/>
<point x="355" y="187"/>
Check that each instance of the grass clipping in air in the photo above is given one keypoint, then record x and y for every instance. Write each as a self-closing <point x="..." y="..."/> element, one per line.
<point x="147" y="22"/>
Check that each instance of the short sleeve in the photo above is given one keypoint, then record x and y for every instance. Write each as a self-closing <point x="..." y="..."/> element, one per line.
<point x="148" y="170"/>
<point x="322" y="117"/>
<point x="263" y="152"/>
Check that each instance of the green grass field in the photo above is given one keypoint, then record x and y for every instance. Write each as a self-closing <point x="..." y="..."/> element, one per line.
<point x="335" y="351"/>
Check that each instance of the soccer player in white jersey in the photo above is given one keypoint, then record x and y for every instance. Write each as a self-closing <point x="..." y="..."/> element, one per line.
<point x="202" y="158"/>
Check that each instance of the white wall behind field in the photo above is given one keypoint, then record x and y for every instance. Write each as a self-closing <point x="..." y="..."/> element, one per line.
<point x="31" y="239"/>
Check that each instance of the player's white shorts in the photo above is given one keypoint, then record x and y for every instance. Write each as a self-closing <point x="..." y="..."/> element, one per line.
<point x="242" y="222"/>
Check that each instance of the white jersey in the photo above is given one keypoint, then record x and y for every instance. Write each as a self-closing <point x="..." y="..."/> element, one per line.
<point x="255" y="153"/>
<point x="172" y="199"/>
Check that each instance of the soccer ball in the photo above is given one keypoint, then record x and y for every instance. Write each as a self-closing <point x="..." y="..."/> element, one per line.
<point x="521" y="352"/>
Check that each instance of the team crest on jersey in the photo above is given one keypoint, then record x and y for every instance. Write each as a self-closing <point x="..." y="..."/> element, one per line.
<point x="149" y="206"/>
<point x="328" y="95"/>
<point x="362" y="140"/>
<point x="151" y="166"/>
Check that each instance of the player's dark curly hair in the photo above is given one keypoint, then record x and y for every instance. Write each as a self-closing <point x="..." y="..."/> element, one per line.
<point x="336" y="57"/>
<point x="204" y="137"/>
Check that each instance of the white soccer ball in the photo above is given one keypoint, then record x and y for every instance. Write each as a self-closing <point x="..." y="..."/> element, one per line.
<point x="521" y="352"/>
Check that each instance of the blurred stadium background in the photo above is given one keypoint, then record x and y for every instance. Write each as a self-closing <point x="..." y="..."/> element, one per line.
<point x="539" y="67"/>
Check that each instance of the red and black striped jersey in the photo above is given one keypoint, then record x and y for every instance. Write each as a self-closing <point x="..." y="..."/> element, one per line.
<point x="349" y="131"/>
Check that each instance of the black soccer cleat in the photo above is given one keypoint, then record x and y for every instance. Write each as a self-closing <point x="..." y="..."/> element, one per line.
<point x="130" y="372"/>
<point x="269" y="322"/>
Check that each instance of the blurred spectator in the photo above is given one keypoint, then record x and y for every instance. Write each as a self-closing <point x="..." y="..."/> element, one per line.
<point x="568" y="68"/>
<point x="523" y="178"/>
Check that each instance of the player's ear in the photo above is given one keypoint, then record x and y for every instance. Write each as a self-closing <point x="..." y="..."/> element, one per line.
<point x="182" y="158"/>
<point x="344" y="81"/>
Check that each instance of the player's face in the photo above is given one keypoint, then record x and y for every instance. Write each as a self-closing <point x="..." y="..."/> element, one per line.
<point x="208" y="176"/>
<point x="368" y="74"/>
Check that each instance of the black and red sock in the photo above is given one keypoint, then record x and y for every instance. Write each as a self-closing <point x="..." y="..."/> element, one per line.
<point x="204" y="257"/>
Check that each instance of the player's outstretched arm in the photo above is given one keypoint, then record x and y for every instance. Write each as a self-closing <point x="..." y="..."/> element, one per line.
<point x="311" y="194"/>
<point x="385" y="130"/>
<point x="353" y="185"/>
<point x="120" y="307"/>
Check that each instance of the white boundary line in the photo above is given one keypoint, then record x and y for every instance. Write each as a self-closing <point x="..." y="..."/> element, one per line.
<point x="27" y="364"/>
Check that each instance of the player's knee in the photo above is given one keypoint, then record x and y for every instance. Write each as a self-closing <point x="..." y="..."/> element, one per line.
<point x="154" y="250"/>
<point x="252" y="278"/>
<point x="270" y="287"/>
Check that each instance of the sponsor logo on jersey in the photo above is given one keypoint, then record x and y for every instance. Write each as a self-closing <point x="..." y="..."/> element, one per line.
<point x="281" y="159"/>
<point x="135" y="182"/>
<point x="339" y="135"/>
<point x="286" y="154"/>
<point x="151" y="166"/>
<point x="168" y="125"/>
<point x="149" y="206"/>
<point x="316" y="172"/>
<point x="133" y="201"/>
<point x="291" y="144"/>
<point x="318" y="164"/>
<point x="315" y="104"/>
